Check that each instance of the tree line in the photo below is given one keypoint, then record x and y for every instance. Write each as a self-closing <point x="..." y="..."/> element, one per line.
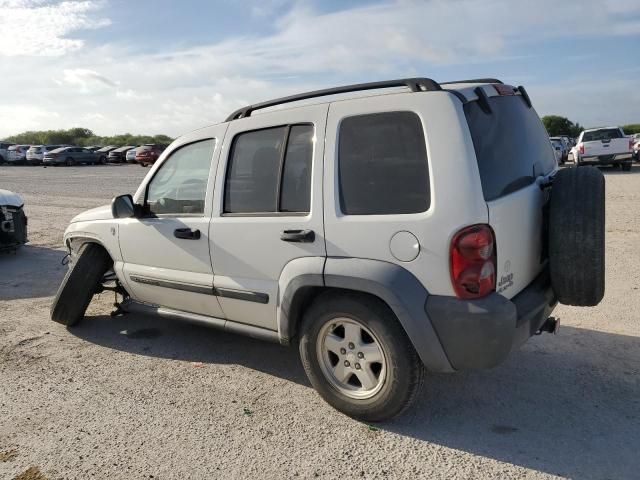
<point x="83" y="137"/>
<point x="557" y="125"/>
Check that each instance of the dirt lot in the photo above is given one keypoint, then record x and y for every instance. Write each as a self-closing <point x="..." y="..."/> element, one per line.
<point x="142" y="397"/>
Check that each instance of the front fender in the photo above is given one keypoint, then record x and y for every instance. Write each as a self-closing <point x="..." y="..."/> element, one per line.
<point x="104" y="233"/>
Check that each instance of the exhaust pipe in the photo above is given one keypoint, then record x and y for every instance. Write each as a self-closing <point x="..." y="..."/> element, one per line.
<point x="551" y="325"/>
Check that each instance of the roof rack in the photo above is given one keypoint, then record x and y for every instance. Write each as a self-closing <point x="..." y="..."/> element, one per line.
<point x="414" y="84"/>
<point x="474" y="80"/>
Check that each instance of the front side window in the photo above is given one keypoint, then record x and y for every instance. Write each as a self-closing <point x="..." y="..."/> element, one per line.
<point x="382" y="162"/>
<point x="269" y="171"/>
<point x="180" y="185"/>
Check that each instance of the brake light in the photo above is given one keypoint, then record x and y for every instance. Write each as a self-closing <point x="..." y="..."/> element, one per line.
<point x="631" y="144"/>
<point x="581" y="148"/>
<point x="504" y="89"/>
<point x="473" y="262"/>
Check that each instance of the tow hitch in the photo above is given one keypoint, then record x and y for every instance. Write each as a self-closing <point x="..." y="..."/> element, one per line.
<point x="551" y="325"/>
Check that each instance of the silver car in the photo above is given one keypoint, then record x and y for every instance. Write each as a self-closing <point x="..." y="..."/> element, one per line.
<point x="36" y="153"/>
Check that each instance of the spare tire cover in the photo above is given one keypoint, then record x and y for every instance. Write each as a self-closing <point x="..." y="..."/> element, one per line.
<point x="576" y="236"/>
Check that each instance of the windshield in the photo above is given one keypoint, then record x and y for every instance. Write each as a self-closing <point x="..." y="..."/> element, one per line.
<point x="602" y="134"/>
<point x="511" y="144"/>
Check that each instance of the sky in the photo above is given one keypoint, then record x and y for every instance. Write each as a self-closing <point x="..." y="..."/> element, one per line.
<point x="170" y="66"/>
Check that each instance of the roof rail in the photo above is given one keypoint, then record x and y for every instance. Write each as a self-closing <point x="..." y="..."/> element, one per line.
<point x="474" y="80"/>
<point x="414" y="84"/>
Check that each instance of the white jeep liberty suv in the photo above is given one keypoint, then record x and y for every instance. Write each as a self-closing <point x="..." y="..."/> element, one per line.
<point x="387" y="229"/>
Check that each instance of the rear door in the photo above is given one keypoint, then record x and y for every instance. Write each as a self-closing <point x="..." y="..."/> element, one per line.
<point x="87" y="156"/>
<point x="513" y="152"/>
<point x="267" y="208"/>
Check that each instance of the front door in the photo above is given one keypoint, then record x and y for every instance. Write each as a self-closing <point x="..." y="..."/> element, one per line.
<point x="166" y="254"/>
<point x="267" y="208"/>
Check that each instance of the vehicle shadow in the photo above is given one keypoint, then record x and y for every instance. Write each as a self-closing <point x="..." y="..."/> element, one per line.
<point x="609" y="170"/>
<point x="30" y="272"/>
<point x="635" y="169"/>
<point x="566" y="405"/>
<point x="172" y="339"/>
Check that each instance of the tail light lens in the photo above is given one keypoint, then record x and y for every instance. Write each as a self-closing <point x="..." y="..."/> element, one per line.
<point x="581" y="148"/>
<point x="473" y="262"/>
<point x="631" y="144"/>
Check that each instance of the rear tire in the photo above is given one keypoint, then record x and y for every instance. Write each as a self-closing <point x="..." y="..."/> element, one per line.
<point x="389" y="385"/>
<point x="69" y="162"/>
<point x="626" y="167"/>
<point x="80" y="284"/>
<point x="577" y="236"/>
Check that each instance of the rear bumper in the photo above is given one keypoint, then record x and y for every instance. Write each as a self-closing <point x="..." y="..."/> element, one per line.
<point x="478" y="334"/>
<point x="606" y="159"/>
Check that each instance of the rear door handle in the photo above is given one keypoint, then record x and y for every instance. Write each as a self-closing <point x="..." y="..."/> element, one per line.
<point x="186" y="233"/>
<point x="298" y="236"/>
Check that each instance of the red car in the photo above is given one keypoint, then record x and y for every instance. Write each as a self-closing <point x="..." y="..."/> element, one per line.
<point x="147" y="154"/>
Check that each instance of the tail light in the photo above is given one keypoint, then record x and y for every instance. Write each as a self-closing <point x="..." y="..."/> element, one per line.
<point x="473" y="261"/>
<point x="631" y="144"/>
<point x="581" y="148"/>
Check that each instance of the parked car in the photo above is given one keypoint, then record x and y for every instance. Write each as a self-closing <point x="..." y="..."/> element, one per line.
<point x="103" y="153"/>
<point x="36" y="153"/>
<point x="71" y="156"/>
<point x="17" y="154"/>
<point x="130" y="157"/>
<point x="558" y="148"/>
<point x="4" y="151"/>
<point x="13" y="221"/>
<point x="564" y="148"/>
<point x="147" y="154"/>
<point x="604" y="146"/>
<point x="636" y="146"/>
<point x="117" y="155"/>
<point x="569" y="142"/>
<point x="329" y="226"/>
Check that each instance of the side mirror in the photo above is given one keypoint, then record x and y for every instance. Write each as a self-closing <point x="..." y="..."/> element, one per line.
<point x="122" y="206"/>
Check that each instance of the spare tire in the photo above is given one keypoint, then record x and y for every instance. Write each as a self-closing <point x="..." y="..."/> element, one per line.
<point x="576" y="236"/>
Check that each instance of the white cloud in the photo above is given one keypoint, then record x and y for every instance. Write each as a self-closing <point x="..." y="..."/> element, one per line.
<point x="86" y="79"/>
<point x="176" y="91"/>
<point x="41" y="27"/>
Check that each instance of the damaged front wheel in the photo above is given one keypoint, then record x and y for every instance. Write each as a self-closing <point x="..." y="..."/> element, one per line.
<point x="79" y="285"/>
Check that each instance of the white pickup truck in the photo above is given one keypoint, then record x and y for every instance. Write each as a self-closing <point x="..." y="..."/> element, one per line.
<point x="604" y="146"/>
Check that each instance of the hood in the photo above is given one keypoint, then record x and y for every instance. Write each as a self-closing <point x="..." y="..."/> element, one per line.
<point x="99" y="213"/>
<point x="10" y="199"/>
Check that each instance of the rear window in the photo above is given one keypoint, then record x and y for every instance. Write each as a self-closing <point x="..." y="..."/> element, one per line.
<point x="511" y="144"/>
<point x="602" y="134"/>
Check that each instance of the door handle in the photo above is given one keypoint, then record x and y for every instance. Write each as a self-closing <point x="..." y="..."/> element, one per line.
<point x="186" y="233"/>
<point x="299" y="236"/>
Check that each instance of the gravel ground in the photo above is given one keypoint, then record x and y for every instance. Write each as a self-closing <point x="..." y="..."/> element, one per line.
<point x="142" y="397"/>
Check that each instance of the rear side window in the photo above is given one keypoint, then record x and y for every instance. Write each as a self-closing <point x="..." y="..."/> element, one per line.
<point x="511" y="145"/>
<point x="602" y="134"/>
<point x="269" y="171"/>
<point x="382" y="162"/>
